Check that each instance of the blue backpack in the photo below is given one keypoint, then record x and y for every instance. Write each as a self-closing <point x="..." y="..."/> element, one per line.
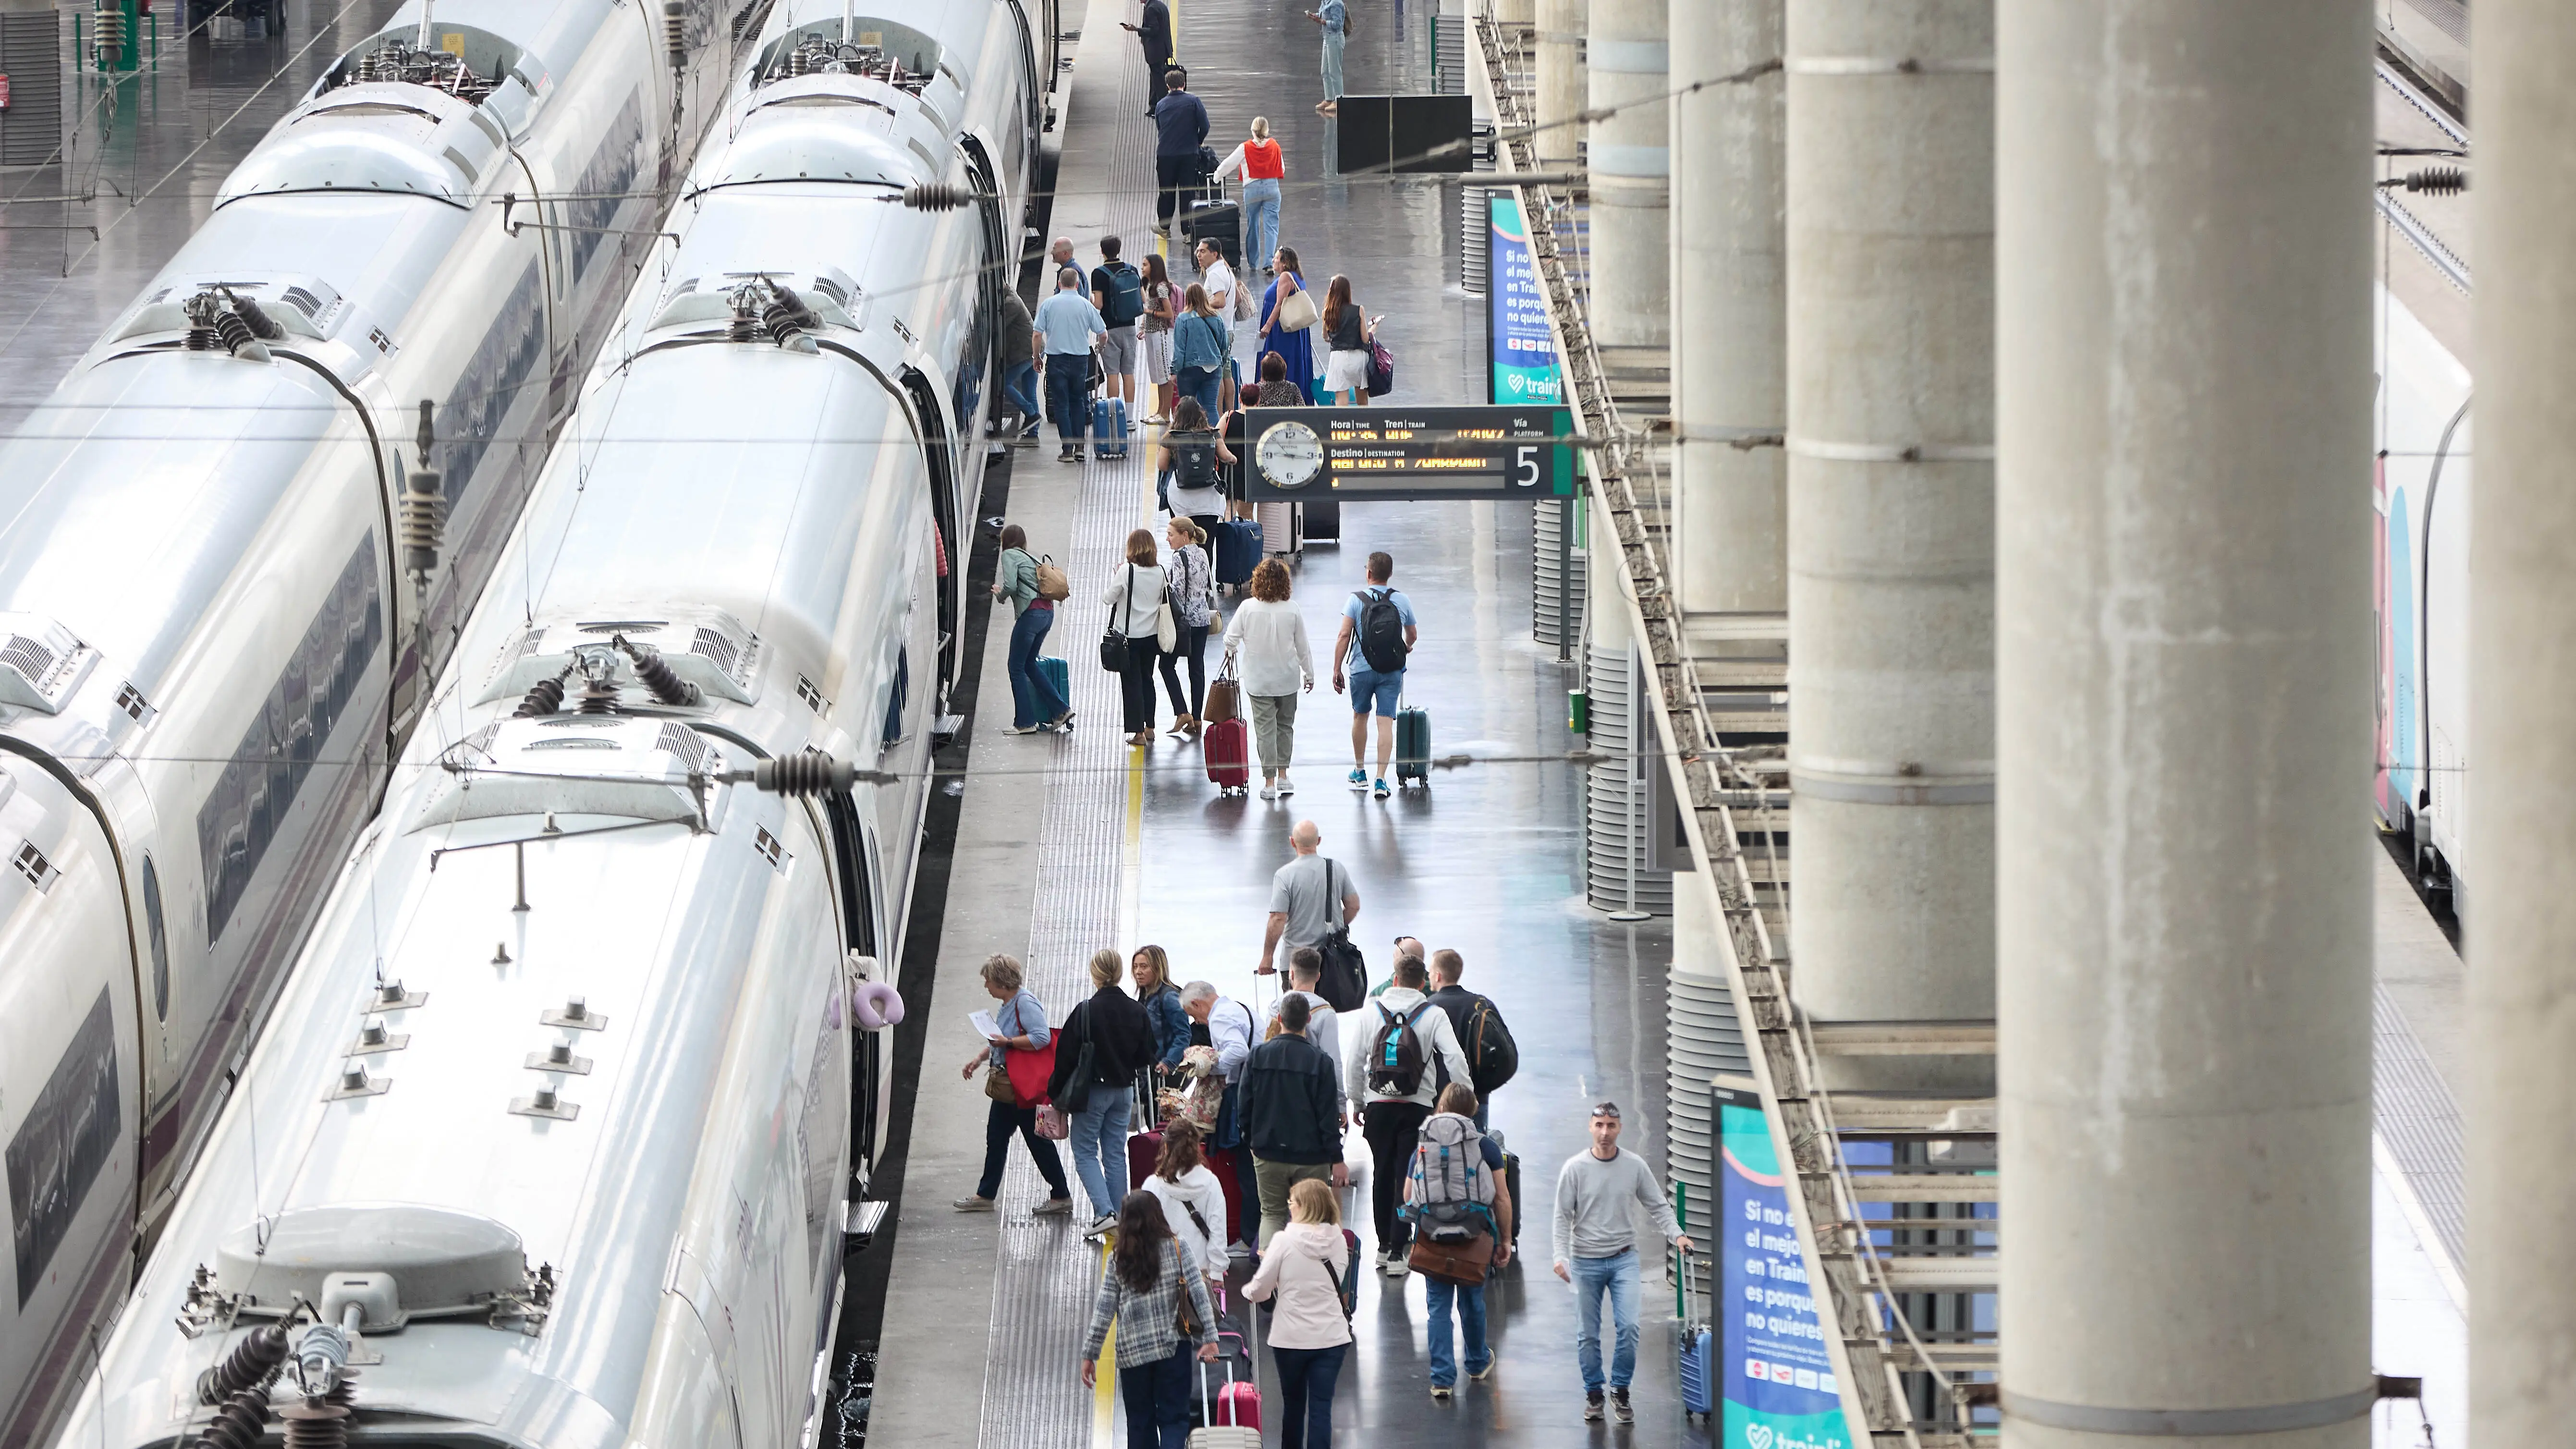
<point x="1125" y="295"/>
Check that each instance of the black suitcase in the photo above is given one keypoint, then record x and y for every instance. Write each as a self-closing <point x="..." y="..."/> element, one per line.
<point x="1324" y="520"/>
<point x="1221" y="222"/>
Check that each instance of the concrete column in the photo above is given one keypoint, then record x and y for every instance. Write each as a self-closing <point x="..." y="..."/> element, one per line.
<point x="1515" y="12"/>
<point x="1560" y="81"/>
<point x="1730" y="315"/>
<point x="2183" y="671"/>
<point x="1891" y="517"/>
<point x="2518" y="913"/>
<point x="1631" y="168"/>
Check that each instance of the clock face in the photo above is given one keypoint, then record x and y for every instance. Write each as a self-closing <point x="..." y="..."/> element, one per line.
<point x="1290" y="454"/>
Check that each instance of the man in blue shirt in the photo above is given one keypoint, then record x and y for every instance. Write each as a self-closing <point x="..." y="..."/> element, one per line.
<point x="1180" y="129"/>
<point x="1066" y="325"/>
<point x="1335" y="17"/>
<point x="1373" y="655"/>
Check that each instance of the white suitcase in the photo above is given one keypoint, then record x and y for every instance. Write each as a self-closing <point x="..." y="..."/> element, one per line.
<point x="1279" y="528"/>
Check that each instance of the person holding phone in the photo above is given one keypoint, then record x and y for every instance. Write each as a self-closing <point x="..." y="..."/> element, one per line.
<point x="1153" y="30"/>
<point x="1348" y="331"/>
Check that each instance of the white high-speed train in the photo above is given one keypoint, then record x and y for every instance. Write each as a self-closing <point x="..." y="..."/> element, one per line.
<point x="555" y="1131"/>
<point x="210" y="643"/>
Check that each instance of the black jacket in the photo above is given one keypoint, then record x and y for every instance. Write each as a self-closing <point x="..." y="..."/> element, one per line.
<point x="1497" y="1058"/>
<point x="1180" y="124"/>
<point x="1288" y="1107"/>
<point x="1154" y="29"/>
<point x="1121" y="1041"/>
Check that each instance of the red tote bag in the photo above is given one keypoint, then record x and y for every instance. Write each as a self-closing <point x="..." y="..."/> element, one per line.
<point x="1029" y="1071"/>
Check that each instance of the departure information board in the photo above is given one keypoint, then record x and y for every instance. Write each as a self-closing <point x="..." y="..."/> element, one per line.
<point x="1359" y="454"/>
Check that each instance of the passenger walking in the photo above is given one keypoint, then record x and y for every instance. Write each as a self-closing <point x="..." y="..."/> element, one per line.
<point x="1154" y="30"/>
<point x="1230" y="1028"/>
<point x="1021" y="1026"/>
<point x="1162" y="1002"/>
<point x="1311" y="897"/>
<point x="1376" y="640"/>
<point x="1066" y="325"/>
<point x="1492" y="1056"/>
<point x="1034" y="703"/>
<point x="1180" y="129"/>
<point x="1292" y="1115"/>
<point x="1303" y="1271"/>
<point x="1193" y="1202"/>
<point x="1098" y="1052"/>
<point x="1335" y="17"/>
<point x="1193" y="604"/>
<point x="1596" y="1250"/>
<point x="1202" y="348"/>
<point x="1191" y="460"/>
<point x="1427" y="1185"/>
<point x="1391" y="1074"/>
<point x="1267" y="642"/>
<point x="1293" y="346"/>
<point x="1263" y="167"/>
<point x="1019" y="365"/>
<point x="1118" y="292"/>
<point x="1135" y="594"/>
<point x="1348" y="331"/>
<point x="1164" y="1316"/>
<point x="1154" y="335"/>
<point x="1231" y="305"/>
<point x="1323" y="1024"/>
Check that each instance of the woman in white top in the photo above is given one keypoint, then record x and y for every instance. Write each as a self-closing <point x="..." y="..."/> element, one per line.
<point x="1134" y="594"/>
<point x="1193" y="1202"/>
<point x="1266" y="644"/>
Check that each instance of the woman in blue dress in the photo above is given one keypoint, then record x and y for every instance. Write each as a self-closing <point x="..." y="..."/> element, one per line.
<point x="1294" y="347"/>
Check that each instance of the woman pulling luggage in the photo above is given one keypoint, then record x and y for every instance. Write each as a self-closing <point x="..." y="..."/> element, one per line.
<point x="1307" y="1268"/>
<point x="1164" y="1315"/>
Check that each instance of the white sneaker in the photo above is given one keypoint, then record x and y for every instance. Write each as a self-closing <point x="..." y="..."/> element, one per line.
<point x="1286" y="789"/>
<point x="1268" y="791"/>
<point x="1398" y="1264"/>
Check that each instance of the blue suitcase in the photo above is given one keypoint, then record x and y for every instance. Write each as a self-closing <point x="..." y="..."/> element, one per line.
<point x="1238" y="550"/>
<point x="1052" y="669"/>
<point x="1699" y="1351"/>
<point x="1109" y="427"/>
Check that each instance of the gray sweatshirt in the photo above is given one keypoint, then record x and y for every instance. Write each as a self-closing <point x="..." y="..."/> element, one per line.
<point x="1592" y="1214"/>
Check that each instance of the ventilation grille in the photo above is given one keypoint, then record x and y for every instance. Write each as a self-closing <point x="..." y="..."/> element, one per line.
<point x="832" y="289"/>
<point x="571" y="742"/>
<point x="735" y="660"/>
<point x="606" y="627"/>
<point x="684" y="745"/>
<point x="29" y="658"/>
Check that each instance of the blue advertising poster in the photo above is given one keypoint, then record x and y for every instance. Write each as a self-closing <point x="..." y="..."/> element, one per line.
<point x="1776" y="1385"/>
<point x="1523" y="359"/>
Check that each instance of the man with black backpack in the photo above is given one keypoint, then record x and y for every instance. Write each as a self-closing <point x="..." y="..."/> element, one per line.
<point x="1492" y="1056"/>
<point x="1391" y="1073"/>
<point x="1378" y="633"/>
<point x="1118" y="290"/>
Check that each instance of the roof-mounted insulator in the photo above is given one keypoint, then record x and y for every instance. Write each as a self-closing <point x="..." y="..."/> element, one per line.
<point x="808" y="773"/>
<point x="424" y="507"/>
<point x="262" y="326"/>
<point x="744" y="325"/>
<point x="675" y="33"/>
<point x="2430" y="181"/>
<point x="211" y="324"/>
<point x="656" y="672"/>
<point x="598" y="666"/>
<point x="201" y="310"/>
<point x="937" y="196"/>
<point x="253" y="1362"/>
<point x="544" y="697"/>
<point x="787" y="320"/>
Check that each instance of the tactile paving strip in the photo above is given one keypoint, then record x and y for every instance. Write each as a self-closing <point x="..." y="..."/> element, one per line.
<point x="2420" y="1121"/>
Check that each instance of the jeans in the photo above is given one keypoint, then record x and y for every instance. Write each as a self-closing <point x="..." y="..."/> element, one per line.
<point x="1200" y="383"/>
<point x="1068" y="386"/>
<point x="1098" y="1137"/>
<point x="1618" y="1277"/>
<point x="1274" y="730"/>
<point x="1333" y="65"/>
<point x="1136" y="684"/>
<point x="999" y="1124"/>
<point x="1471" y="1319"/>
<point x="1033" y="697"/>
<point x="1020" y="385"/>
<point x="1158" y="1401"/>
<point x="1260" y="222"/>
<point x="1306" y="1379"/>
<point x="1274" y="1179"/>
<point x="1393" y="1129"/>
<point x="1191" y="644"/>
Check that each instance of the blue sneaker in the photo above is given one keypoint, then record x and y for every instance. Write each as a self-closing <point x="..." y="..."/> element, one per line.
<point x="1359" y="778"/>
<point x="1381" y="791"/>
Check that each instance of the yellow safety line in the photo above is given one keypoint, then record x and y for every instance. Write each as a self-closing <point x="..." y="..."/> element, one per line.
<point x="1104" y="1384"/>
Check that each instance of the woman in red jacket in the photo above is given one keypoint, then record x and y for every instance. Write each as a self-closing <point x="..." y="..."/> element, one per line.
<point x="1263" y="166"/>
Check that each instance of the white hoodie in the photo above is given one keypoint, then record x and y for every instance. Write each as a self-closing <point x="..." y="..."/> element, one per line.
<point x="1298" y="1266"/>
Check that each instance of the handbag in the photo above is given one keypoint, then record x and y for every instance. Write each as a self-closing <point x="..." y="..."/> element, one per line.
<point x="1113" y="645"/>
<point x="1185" y="1316"/>
<point x="1343" y="982"/>
<point x="1297" y="311"/>
<point x="1381" y="371"/>
<point x="1052" y="1124"/>
<point x="997" y="1079"/>
<point x="1465" y="1263"/>
<point x="1030" y="1071"/>
<point x="1223" y="701"/>
<point x="1167" y="630"/>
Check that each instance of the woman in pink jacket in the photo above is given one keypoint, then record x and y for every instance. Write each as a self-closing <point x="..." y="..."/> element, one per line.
<point x="1307" y="1268"/>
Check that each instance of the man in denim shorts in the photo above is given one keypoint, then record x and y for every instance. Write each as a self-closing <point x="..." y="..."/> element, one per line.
<point x="1374" y="659"/>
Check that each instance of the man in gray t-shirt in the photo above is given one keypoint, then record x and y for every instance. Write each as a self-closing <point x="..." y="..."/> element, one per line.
<point x="1302" y="898"/>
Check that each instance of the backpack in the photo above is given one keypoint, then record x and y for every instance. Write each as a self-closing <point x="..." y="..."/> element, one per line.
<point x="1344" y="978"/>
<point x="1381" y="630"/>
<point x="1453" y="1197"/>
<point x="1492" y="1056"/>
<point x="1053" y="586"/>
<point x="1125" y="295"/>
<point x="1193" y="461"/>
<point x="1395" y="1058"/>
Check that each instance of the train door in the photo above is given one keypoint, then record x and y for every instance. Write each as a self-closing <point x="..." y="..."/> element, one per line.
<point x="938" y="448"/>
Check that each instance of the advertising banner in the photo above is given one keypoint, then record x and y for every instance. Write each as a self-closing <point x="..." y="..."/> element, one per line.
<point x="1776" y="1384"/>
<point x="1520" y="356"/>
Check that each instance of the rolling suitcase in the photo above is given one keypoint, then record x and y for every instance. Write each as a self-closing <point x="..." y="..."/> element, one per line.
<point x="1227" y="746"/>
<point x="1238" y="551"/>
<point x="1323" y="520"/>
<point x="1222" y="1419"/>
<point x="1057" y="678"/>
<point x="1412" y="747"/>
<point x="1220" y="222"/>
<point x="1221" y="1161"/>
<point x="1699" y="1350"/>
<point x="1278" y="527"/>
<point x="1109" y="427"/>
<point x="1144" y="1149"/>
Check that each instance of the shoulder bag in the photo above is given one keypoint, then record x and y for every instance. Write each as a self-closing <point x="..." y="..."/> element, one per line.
<point x="1185" y="1315"/>
<point x="1344" y="981"/>
<point x="1297" y="311"/>
<point x="1113" y="644"/>
<point x="1223" y="701"/>
<point x="1167" y="630"/>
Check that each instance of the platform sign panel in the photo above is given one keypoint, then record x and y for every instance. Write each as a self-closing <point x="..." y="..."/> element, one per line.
<point x="1362" y="454"/>
<point x="1520" y="355"/>
<point x="1776" y="1383"/>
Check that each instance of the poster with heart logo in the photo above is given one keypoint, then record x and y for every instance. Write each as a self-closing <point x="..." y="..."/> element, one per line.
<point x="1778" y="1386"/>
<point x="1519" y="353"/>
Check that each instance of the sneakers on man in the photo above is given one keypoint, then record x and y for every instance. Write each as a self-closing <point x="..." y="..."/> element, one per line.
<point x="1440" y="1393"/>
<point x="1592" y="1404"/>
<point x="1359" y="778"/>
<point x="1620" y="1409"/>
<point x="973" y="1204"/>
<point x="1398" y="1263"/>
<point x="1482" y="1374"/>
<point x="1054" y="1207"/>
<point x="1102" y="1226"/>
<point x="1381" y="791"/>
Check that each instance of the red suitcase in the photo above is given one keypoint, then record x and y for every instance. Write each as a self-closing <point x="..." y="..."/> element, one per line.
<point x="1228" y="748"/>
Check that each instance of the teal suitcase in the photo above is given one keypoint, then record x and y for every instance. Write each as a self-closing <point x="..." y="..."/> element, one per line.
<point x="1412" y="747"/>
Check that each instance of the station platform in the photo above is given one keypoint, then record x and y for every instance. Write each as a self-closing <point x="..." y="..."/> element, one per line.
<point x="1068" y="844"/>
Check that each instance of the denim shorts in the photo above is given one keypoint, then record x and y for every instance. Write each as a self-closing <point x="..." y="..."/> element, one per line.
<point x="1385" y="690"/>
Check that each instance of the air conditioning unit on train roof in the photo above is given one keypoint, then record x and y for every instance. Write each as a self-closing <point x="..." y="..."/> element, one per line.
<point x="706" y="647"/>
<point x="41" y="662"/>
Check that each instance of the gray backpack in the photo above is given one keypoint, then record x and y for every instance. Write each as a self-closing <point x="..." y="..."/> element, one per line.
<point x="1453" y="1197"/>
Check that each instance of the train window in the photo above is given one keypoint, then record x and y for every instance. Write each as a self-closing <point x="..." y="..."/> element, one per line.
<point x="852" y="872"/>
<point x="895" y="696"/>
<point x="155" y="925"/>
<point x="943" y="505"/>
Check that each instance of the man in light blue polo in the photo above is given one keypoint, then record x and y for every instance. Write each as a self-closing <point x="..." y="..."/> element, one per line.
<point x="1378" y="634"/>
<point x="1066" y="325"/>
